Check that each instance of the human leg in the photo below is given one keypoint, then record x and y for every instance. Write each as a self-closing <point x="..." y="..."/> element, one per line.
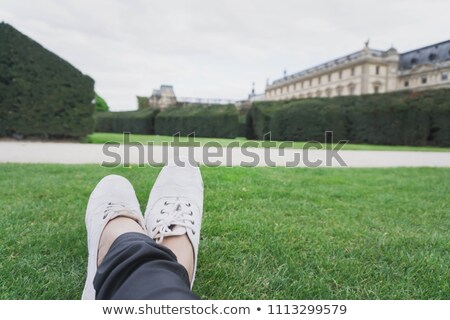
<point x="130" y="264"/>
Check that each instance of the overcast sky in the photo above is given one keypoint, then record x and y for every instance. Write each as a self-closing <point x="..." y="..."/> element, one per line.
<point x="216" y="49"/>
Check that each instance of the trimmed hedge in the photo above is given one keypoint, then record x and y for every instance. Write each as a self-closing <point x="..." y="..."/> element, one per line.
<point x="393" y="119"/>
<point x="143" y="102"/>
<point x="400" y="118"/>
<point x="137" y="122"/>
<point x="41" y="94"/>
<point x="304" y="120"/>
<point x="259" y="116"/>
<point x="213" y="121"/>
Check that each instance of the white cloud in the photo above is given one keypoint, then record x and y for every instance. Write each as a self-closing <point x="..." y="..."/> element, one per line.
<point x="216" y="49"/>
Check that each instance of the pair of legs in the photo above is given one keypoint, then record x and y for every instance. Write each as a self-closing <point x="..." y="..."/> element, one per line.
<point x="150" y="256"/>
<point x="179" y="245"/>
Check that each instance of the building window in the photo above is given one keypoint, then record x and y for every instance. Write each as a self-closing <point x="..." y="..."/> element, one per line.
<point x="413" y="61"/>
<point x="320" y="79"/>
<point x="406" y="83"/>
<point x="339" y="91"/>
<point x="423" y="80"/>
<point x="377" y="70"/>
<point x="376" y="89"/>
<point x="444" y="76"/>
<point x="310" y="82"/>
<point x="340" y="74"/>
<point x="353" y="71"/>
<point x="329" y="77"/>
<point x="309" y="95"/>
<point x="328" y="92"/>
<point x="318" y="93"/>
<point x="432" y="56"/>
<point x="351" y="89"/>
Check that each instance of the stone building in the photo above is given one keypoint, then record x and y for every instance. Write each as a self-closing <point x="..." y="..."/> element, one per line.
<point x="165" y="97"/>
<point x="368" y="71"/>
<point x="161" y="98"/>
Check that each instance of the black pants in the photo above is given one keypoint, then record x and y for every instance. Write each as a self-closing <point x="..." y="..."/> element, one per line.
<point x="137" y="268"/>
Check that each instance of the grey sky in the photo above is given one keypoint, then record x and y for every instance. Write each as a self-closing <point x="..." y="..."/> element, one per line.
<point x="216" y="49"/>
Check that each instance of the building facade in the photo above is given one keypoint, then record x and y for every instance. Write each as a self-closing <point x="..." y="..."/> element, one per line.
<point x="162" y="98"/>
<point x="368" y="71"/>
<point x="165" y="97"/>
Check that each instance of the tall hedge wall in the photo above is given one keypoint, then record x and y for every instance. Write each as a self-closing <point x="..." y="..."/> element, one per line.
<point x="137" y="122"/>
<point x="259" y="117"/>
<point x="304" y="120"/>
<point x="40" y="93"/>
<point x="217" y="121"/>
<point x="401" y="118"/>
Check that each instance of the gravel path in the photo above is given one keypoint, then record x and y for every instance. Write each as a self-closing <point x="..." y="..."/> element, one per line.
<point x="77" y="153"/>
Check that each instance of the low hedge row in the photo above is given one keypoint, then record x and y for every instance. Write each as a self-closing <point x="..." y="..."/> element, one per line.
<point x="401" y="118"/>
<point x="305" y="120"/>
<point x="259" y="116"/>
<point x="137" y="122"/>
<point x="213" y="121"/>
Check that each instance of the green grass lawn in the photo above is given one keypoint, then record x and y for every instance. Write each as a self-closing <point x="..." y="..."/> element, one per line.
<point x="158" y="140"/>
<point x="268" y="233"/>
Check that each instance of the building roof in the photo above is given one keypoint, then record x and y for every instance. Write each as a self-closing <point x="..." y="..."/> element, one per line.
<point x="330" y="64"/>
<point x="435" y="53"/>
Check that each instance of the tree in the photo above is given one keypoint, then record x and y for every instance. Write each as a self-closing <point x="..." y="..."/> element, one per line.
<point x="100" y="104"/>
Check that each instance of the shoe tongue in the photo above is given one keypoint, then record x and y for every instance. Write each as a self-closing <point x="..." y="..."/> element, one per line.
<point x="178" y="231"/>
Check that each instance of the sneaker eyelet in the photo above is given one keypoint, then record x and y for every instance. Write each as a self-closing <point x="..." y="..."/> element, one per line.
<point x="166" y="203"/>
<point x="105" y="216"/>
<point x="191" y="213"/>
<point x="188" y="204"/>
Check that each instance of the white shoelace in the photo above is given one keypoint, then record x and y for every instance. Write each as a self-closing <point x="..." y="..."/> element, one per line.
<point x="113" y="207"/>
<point x="176" y="213"/>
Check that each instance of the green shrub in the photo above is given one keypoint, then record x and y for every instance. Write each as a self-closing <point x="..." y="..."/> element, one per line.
<point x="259" y="117"/>
<point x="137" y="122"/>
<point x="143" y="103"/>
<point x="213" y="121"/>
<point x="242" y="125"/>
<point x="390" y="119"/>
<point x="41" y="94"/>
<point x="439" y="133"/>
<point x="100" y="104"/>
<point x="304" y="120"/>
<point x="399" y="118"/>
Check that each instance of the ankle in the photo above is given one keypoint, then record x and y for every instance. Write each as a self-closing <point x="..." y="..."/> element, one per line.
<point x="181" y="246"/>
<point x="115" y="228"/>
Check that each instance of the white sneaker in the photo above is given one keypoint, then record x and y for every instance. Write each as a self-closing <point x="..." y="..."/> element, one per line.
<point x="175" y="206"/>
<point x="113" y="196"/>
